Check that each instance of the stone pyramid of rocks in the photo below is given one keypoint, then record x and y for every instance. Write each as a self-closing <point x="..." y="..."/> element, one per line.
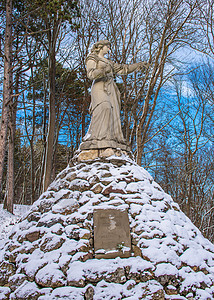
<point x="50" y="254"/>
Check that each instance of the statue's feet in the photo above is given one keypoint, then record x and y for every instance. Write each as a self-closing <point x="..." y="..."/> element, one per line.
<point x="92" y="154"/>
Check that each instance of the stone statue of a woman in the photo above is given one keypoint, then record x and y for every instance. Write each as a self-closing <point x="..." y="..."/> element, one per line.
<point x="105" y="127"/>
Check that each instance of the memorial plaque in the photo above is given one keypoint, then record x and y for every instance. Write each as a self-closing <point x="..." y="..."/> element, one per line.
<point x="111" y="233"/>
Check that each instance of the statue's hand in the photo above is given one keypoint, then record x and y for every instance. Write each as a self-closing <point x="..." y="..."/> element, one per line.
<point x="104" y="70"/>
<point x="143" y="65"/>
<point x="107" y="69"/>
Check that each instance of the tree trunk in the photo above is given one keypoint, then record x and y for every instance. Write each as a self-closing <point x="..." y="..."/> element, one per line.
<point x="52" y="118"/>
<point x="10" y="170"/>
<point x="32" y="144"/>
<point x="9" y="200"/>
<point x="6" y="86"/>
<point x="32" y="172"/>
<point x="44" y="136"/>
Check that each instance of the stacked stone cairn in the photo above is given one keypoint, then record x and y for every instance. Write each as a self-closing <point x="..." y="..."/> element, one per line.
<point x="50" y="252"/>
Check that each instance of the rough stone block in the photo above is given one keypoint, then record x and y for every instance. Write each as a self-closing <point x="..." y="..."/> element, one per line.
<point x="33" y="236"/>
<point x="106" y="152"/>
<point x="87" y="155"/>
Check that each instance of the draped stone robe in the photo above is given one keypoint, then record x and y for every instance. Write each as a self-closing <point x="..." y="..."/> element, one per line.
<point x="105" y="127"/>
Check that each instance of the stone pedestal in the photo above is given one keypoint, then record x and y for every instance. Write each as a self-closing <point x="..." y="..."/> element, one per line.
<point x="111" y="233"/>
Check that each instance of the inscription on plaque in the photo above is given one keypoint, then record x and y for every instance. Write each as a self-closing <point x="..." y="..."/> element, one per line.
<point x="111" y="233"/>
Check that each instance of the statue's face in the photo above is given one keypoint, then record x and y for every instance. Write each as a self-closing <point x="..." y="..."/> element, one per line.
<point x="105" y="50"/>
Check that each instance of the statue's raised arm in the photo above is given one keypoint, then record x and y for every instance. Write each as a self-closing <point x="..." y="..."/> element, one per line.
<point x="105" y="127"/>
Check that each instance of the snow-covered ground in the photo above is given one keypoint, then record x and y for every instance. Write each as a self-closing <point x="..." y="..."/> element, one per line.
<point x="7" y="220"/>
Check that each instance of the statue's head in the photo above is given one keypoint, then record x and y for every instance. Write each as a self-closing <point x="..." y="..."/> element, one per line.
<point x="99" y="45"/>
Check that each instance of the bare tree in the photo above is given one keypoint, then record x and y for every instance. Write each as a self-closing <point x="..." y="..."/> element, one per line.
<point x="167" y="24"/>
<point x="6" y="86"/>
<point x="184" y="162"/>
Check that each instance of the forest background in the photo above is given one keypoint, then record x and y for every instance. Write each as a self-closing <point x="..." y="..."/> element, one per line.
<point x="167" y="111"/>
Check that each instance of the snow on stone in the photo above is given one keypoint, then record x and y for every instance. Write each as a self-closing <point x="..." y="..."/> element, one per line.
<point x="50" y="274"/>
<point x="33" y="266"/>
<point x="165" y="269"/>
<point x="52" y="245"/>
<point x="68" y="204"/>
<point x="68" y="293"/>
<point x="4" y="292"/>
<point x="29" y="290"/>
<point x="26" y="289"/>
<point x="197" y="257"/>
